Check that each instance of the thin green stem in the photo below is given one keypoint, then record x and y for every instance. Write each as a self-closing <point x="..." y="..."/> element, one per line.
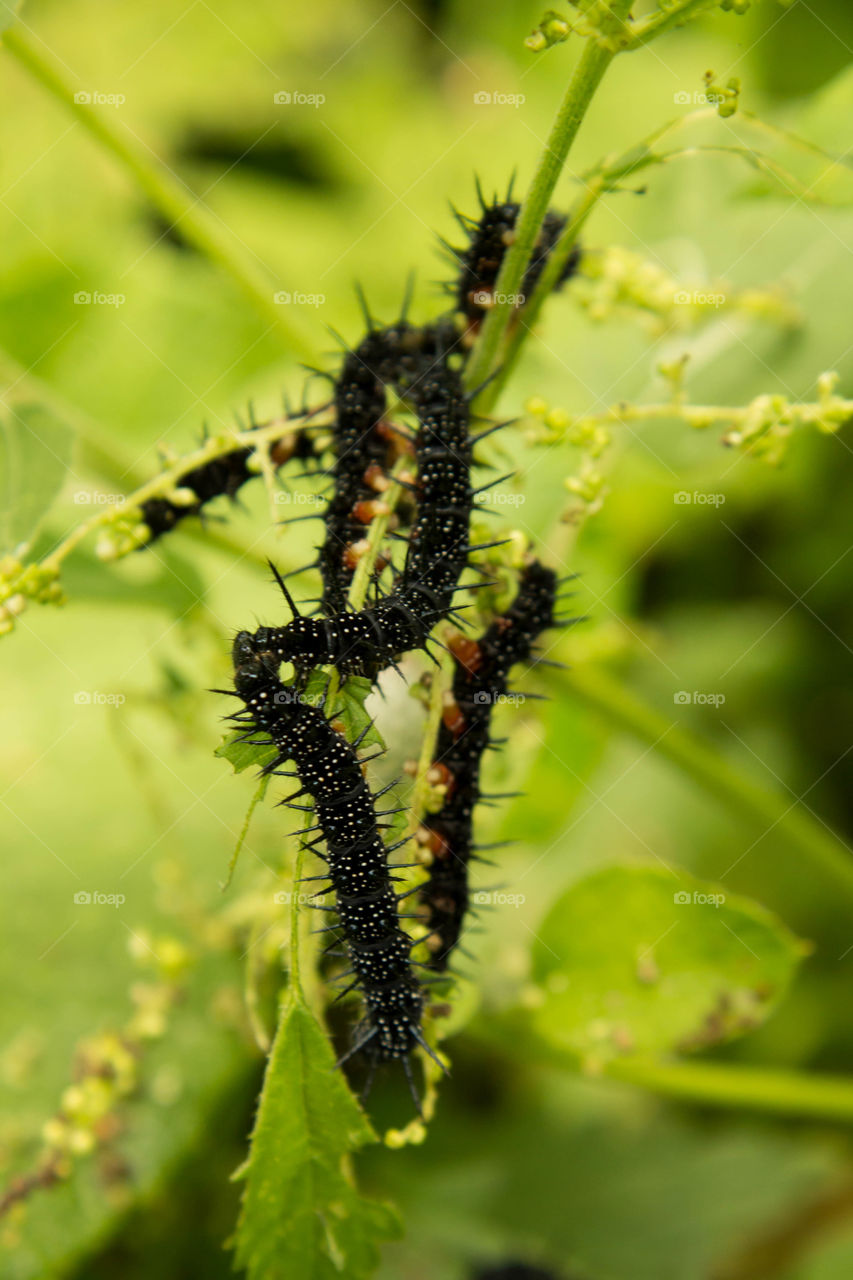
<point x="377" y="529"/>
<point x="177" y="203"/>
<point x="648" y="29"/>
<point x="793" y="1093"/>
<point x="769" y="810"/>
<point x="161" y="484"/>
<point x="441" y="678"/>
<point x="295" y="914"/>
<point x="593" y="63"/>
<point x="739" y="1086"/>
<point x="546" y="284"/>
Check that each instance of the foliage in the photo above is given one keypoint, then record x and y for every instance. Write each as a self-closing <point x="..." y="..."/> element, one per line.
<point x="600" y="968"/>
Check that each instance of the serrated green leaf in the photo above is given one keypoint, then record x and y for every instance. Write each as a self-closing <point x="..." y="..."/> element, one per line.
<point x="347" y="705"/>
<point x="637" y="959"/>
<point x="243" y="755"/>
<point x="352" y="712"/>
<point x="35" y="452"/>
<point x="302" y="1215"/>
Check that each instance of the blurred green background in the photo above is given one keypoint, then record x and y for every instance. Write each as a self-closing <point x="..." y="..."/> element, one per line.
<point x="749" y="599"/>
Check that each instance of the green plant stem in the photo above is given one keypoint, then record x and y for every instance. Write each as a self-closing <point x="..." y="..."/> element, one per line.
<point x="819" y="847"/>
<point x="295" y="985"/>
<point x="161" y="484"/>
<point x="593" y="63"/>
<point x="648" y="29"/>
<point x="178" y="205"/>
<point x="527" y="318"/>
<point x="821" y="1097"/>
<point x="376" y="531"/>
<point x="441" y="679"/>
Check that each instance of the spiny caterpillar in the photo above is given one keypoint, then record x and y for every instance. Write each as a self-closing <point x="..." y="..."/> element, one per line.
<point x="423" y="366"/>
<point x="366" y="641"/>
<point x="220" y="477"/>
<point x="480" y="681"/>
<point x="368" y="923"/>
<point x="366" y="444"/>
<point x="488" y="240"/>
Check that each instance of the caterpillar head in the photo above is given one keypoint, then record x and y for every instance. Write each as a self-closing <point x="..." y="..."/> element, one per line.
<point x="254" y="666"/>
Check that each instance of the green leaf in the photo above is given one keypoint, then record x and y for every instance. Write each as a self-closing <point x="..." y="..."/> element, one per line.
<point x="347" y="705"/>
<point x="302" y="1214"/>
<point x="242" y="755"/>
<point x="635" y="959"/>
<point x="35" y="452"/>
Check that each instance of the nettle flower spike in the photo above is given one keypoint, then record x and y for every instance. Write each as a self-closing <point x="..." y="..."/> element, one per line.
<point x="20" y="583"/>
<point x="126" y="532"/>
<point x="724" y="96"/>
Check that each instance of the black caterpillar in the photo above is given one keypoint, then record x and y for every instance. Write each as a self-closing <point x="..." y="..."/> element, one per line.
<point x="329" y="770"/>
<point x="423" y="365"/>
<point x="480" y="680"/>
<point x="366" y="641"/>
<point x="488" y="240"/>
<point x="223" y="476"/>
<point x="365" y="443"/>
